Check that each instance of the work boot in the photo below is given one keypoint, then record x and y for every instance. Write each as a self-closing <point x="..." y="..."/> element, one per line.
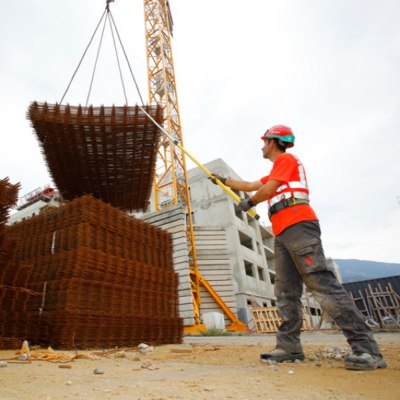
<point x="280" y="355"/>
<point x="364" y="361"/>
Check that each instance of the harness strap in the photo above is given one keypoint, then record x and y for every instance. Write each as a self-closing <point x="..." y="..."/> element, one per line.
<point x="285" y="204"/>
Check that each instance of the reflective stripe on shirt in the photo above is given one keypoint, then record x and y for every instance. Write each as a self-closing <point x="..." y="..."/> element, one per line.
<point x="286" y="191"/>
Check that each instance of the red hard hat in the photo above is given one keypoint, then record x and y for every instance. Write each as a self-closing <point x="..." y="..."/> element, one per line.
<point x="281" y="132"/>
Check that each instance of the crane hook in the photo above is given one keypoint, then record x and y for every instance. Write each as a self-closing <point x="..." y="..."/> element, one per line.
<point x="108" y="4"/>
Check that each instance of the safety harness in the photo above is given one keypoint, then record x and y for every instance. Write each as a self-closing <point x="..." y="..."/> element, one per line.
<point x="290" y="194"/>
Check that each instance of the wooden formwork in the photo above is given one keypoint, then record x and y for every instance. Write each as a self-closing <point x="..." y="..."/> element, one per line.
<point x="383" y="303"/>
<point x="379" y="304"/>
<point x="267" y="319"/>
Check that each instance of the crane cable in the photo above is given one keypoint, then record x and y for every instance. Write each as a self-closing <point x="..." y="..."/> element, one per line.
<point x="97" y="59"/>
<point x="107" y="15"/>
<point x="83" y="56"/>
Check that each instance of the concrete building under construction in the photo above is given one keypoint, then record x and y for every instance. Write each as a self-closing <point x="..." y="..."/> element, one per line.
<point x="250" y="243"/>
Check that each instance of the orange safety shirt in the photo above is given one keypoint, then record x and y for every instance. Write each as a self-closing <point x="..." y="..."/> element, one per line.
<point x="289" y="170"/>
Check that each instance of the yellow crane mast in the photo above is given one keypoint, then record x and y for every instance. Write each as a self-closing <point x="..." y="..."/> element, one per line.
<point x="171" y="183"/>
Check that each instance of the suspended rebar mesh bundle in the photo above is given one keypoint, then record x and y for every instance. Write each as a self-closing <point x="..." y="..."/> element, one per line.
<point x="109" y="152"/>
<point x="104" y="279"/>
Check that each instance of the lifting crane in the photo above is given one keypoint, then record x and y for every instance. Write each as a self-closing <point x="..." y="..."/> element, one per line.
<point x="171" y="184"/>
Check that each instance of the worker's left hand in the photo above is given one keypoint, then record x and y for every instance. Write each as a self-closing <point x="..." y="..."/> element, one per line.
<point x="245" y="204"/>
<point x="213" y="178"/>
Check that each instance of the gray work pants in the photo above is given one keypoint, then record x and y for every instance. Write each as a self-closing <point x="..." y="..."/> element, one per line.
<point x="299" y="258"/>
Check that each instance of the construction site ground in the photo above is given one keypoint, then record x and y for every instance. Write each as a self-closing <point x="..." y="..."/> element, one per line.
<point x="205" y="367"/>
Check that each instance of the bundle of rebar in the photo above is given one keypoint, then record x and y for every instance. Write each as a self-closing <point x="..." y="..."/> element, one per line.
<point x="109" y="152"/>
<point x="94" y="277"/>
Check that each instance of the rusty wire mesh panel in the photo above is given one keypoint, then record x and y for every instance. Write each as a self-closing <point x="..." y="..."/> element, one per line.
<point x="16" y="321"/>
<point x="109" y="152"/>
<point x="70" y="330"/>
<point x="89" y="297"/>
<point x="14" y="315"/>
<point x="8" y="198"/>
<point x="93" y="277"/>
<point x="14" y="299"/>
<point x="90" y="223"/>
<point x="88" y="264"/>
<point x="16" y="326"/>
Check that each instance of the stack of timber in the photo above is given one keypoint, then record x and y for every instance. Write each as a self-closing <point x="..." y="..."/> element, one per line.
<point x="96" y="276"/>
<point x="268" y="320"/>
<point x="379" y="305"/>
<point x="109" y="152"/>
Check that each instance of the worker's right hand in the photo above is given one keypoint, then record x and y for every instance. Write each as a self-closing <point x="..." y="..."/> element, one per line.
<point x="213" y="178"/>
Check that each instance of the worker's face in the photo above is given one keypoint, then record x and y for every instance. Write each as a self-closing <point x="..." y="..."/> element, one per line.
<point x="267" y="148"/>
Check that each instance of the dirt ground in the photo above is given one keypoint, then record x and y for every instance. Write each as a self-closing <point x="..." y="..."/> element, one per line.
<point x="218" y="367"/>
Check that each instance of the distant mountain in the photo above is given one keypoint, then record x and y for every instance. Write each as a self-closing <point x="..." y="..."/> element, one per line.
<point x="361" y="270"/>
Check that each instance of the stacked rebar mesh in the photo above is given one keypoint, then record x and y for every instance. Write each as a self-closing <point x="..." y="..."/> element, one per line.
<point x="105" y="279"/>
<point x="13" y="299"/>
<point x="8" y="198"/>
<point x="109" y="152"/>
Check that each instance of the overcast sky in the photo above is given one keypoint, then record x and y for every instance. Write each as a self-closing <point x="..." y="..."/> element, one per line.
<point x="329" y="69"/>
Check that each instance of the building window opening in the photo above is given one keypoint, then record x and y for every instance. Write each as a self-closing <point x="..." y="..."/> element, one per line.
<point x="261" y="274"/>
<point x="253" y="223"/>
<point x="248" y="267"/>
<point x="238" y="212"/>
<point x="272" y="278"/>
<point x="245" y="240"/>
<point x="315" y="311"/>
<point x="271" y="263"/>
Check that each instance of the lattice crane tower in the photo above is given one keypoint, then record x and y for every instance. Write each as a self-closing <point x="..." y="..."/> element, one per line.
<point x="171" y="183"/>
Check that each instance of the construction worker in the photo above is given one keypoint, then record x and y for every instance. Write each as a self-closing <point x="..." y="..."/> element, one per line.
<point x="299" y="257"/>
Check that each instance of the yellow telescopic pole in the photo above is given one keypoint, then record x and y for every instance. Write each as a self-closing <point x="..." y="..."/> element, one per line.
<point x="201" y="166"/>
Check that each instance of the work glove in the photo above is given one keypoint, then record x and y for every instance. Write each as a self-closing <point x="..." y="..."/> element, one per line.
<point x="245" y="204"/>
<point x="213" y="178"/>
